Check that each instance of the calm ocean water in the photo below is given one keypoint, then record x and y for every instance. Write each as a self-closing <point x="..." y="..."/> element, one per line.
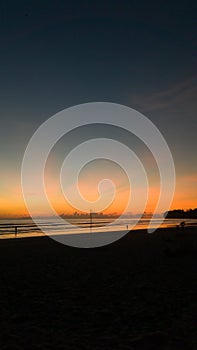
<point x="27" y="228"/>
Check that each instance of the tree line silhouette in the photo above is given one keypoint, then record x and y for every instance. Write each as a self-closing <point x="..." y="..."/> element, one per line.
<point x="182" y="214"/>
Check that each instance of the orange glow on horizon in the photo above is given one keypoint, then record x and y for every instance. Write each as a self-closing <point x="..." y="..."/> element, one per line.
<point x="12" y="203"/>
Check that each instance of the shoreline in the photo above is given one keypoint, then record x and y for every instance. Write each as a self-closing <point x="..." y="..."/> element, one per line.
<point x="170" y="229"/>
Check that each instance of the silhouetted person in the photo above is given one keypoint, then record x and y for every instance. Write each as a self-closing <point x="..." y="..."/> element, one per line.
<point x="182" y="224"/>
<point x="16" y="231"/>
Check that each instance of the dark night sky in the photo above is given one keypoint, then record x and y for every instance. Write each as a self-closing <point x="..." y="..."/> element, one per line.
<point x="55" y="54"/>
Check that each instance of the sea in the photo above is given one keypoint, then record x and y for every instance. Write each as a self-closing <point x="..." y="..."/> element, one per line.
<point x="12" y="228"/>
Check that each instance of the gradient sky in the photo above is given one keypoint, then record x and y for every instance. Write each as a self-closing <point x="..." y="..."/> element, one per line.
<point x="55" y="54"/>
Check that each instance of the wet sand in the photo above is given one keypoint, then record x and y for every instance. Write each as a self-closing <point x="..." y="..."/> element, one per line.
<point x="137" y="293"/>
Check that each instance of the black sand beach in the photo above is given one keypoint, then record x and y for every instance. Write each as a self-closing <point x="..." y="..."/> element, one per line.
<point x="138" y="293"/>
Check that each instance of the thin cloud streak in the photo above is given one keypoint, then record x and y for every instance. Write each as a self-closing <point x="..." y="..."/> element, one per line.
<point x="185" y="90"/>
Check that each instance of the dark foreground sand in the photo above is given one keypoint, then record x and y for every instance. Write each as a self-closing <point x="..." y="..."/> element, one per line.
<point x="138" y="293"/>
